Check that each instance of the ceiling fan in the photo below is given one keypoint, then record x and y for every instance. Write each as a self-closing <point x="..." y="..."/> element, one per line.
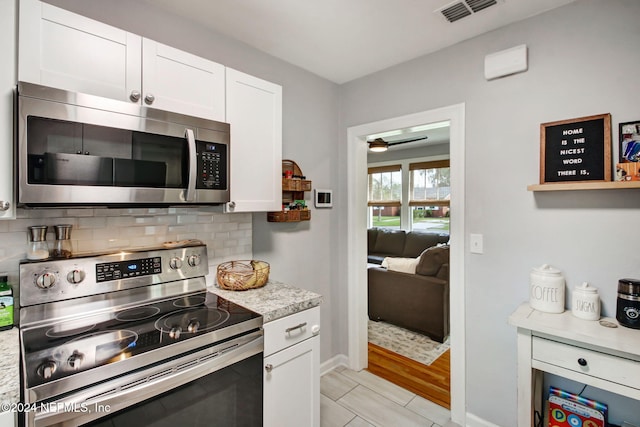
<point x="379" y="145"/>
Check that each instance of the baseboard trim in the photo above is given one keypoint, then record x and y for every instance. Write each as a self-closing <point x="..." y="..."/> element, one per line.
<point x="334" y="362"/>
<point x="475" y="421"/>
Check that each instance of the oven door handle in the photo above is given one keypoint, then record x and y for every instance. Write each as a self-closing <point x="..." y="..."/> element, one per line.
<point x="95" y="403"/>
<point x="190" y="192"/>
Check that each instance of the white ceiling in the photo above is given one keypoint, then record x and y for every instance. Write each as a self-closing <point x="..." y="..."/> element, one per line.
<point x="342" y="40"/>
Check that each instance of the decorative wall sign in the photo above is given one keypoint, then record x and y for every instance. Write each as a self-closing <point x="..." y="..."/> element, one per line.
<point x="576" y="150"/>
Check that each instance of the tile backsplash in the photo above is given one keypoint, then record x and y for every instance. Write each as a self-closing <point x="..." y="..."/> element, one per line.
<point x="227" y="236"/>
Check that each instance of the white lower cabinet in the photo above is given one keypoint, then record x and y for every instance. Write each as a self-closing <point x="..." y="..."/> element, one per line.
<point x="7" y="419"/>
<point x="292" y="370"/>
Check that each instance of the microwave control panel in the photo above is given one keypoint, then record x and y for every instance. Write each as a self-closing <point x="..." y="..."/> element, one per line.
<point x="212" y="166"/>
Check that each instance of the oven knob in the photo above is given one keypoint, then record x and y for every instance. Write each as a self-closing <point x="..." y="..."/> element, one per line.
<point x="75" y="276"/>
<point x="193" y="326"/>
<point x="75" y="360"/>
<point x="175" y="263"/>
<point x="47" y="369"/>
<point x="194" y="260"/>
<point x="175" y="332"/>
<point x="46" y="280"/>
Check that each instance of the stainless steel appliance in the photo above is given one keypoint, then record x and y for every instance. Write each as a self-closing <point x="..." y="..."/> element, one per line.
<point x="78" y="149"/>
<point x="134" y="338"/>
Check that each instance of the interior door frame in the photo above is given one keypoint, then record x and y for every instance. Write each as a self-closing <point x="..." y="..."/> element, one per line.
<point x="357" y="241"/>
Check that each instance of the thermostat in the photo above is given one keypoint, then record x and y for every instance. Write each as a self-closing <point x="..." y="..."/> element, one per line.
<point x="323" y="198"/>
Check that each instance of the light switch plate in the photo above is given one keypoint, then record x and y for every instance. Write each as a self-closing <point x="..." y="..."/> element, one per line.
<point x="475" y="243"/>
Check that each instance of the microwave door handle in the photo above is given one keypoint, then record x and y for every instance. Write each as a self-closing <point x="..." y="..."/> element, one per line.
<point x="189" y="193"/>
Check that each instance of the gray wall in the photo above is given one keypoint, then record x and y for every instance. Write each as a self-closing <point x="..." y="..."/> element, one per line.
<point x="583" y="60"/>
<point x="299" y="253"/>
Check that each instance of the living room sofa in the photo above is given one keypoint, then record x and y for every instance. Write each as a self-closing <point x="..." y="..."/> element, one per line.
<point x="416" y="301"/>
<point x="382" y="243"/>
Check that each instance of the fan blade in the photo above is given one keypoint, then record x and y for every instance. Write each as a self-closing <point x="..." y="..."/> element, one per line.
<point x="404" y="141"/>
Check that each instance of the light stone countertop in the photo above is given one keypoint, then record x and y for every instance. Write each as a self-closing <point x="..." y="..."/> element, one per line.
<point x="10" y="366"/>
<point x="273" y="301"/>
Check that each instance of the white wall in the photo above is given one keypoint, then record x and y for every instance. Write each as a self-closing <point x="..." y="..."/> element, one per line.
<point x="583" y="60"/>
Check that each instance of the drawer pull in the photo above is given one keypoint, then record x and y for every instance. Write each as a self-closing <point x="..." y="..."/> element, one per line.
<point x="293" y="328"/>
<point x="582" y="362"/>
<point x="268" y="367"/>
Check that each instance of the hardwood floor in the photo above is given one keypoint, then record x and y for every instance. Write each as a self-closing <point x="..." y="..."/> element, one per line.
<point x="432" y="382"/>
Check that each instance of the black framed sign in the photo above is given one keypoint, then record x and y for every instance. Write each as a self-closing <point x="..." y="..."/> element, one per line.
<point x="576" y="150"/>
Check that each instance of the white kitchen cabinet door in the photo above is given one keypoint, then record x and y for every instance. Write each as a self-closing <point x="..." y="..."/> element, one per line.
<point x="7" y="419"/>
<point x="254" y="111"/>
<point x="292" y="386"/>
<point x="178" y="81"/>
<point x="64" y="50"/>
<point x="7" y="84"/>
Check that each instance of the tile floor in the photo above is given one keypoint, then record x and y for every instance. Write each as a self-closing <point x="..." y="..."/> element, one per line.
<point x="361" y="399"/>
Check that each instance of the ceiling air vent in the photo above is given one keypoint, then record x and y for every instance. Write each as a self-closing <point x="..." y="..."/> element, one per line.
<point x="478" y="5"/>
<point x="455" y="12"/>
<point x="458" y="10"/>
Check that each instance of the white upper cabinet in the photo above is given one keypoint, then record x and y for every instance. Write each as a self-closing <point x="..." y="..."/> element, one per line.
<point x="254" y="111"/>
<point x="61" y="49"/>
<point x="179" y="81"/>
<point x="7" y="84"/>
<point x="68" y="51"/>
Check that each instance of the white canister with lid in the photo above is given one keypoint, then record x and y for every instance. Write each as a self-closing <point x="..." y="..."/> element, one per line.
<point x="585" y="302"/>
<point x="546" y="289"/>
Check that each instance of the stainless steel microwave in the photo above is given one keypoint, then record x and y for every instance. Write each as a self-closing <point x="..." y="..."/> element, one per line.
<point x="75" y="149"/>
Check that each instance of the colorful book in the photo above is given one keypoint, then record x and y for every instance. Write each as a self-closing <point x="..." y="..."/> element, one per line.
<point x="571" y="410"/>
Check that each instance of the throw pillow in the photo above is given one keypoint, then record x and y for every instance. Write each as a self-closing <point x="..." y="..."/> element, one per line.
<point x="431" y="259"/>
<point x="403" y="265"/>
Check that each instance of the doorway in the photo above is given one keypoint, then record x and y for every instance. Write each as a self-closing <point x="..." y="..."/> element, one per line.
<point x="357" y="242"/>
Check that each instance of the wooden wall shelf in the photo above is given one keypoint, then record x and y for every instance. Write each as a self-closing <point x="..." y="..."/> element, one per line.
<point x="571" y="186"/>
<point x="292" y="189"/>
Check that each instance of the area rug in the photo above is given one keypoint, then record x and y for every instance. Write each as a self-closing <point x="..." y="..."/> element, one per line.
<point x="410" y="344"/>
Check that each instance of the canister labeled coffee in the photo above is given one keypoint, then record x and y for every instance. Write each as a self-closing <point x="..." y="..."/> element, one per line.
<point x="628" y="307"/>
<point x="546" y="289"/>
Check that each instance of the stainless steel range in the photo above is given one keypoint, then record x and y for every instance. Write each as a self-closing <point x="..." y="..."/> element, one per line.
<point x="134" y="338"/>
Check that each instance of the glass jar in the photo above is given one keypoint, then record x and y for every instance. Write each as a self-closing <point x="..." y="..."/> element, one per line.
<point x="62" y="246"/>
<point x="38" y="248"/>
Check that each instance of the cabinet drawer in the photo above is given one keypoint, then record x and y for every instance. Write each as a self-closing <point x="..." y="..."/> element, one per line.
<point x="600" y="365"/>
<point x="290" y="330"/>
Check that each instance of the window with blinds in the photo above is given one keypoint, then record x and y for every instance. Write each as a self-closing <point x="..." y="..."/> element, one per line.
<point x="430" y="183"/>
<point x="385" y="186"/>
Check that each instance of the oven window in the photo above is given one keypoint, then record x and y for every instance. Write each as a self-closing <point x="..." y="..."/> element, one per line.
<point x="230" y="397"/>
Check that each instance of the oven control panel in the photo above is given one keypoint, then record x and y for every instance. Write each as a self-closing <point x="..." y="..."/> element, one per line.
<point x="126" y="269"/>
<point x="80" y="276"/>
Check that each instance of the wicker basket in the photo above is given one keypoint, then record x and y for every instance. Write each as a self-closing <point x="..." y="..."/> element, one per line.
<point x="242" y="275"/>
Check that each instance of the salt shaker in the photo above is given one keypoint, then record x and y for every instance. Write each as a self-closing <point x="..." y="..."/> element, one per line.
<point x="585" y="302"/>
<point x="38" y="248"/>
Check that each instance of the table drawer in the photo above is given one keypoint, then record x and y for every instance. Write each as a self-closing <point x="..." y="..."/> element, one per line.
<point x="287" y="331"/>
<point x="589" y="362"/>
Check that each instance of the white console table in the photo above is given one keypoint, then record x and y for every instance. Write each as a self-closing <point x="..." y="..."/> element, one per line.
<point x="580" y="350"/>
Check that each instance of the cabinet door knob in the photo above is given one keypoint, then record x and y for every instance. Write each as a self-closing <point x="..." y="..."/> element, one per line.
<point x="582" y="362"/>
<point x="4" y="205"/>
<point x="268" y="367"/>
<point x="134" y="96"/>
<point x="149" y="99"/>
